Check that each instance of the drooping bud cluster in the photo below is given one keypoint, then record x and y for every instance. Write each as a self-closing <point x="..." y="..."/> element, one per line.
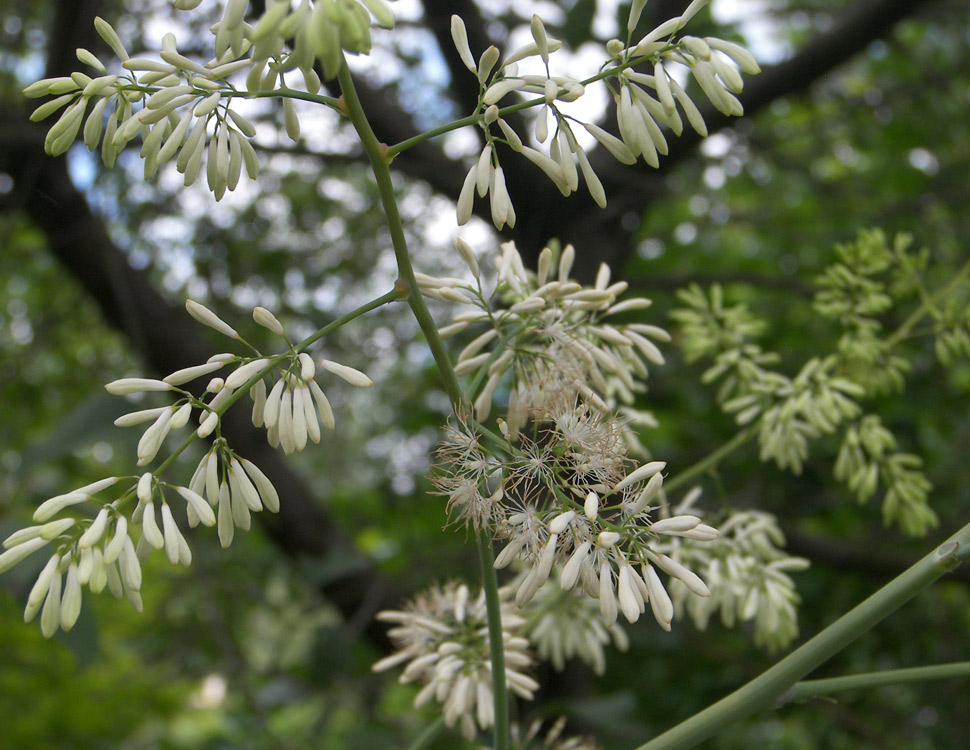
<point x="747" y="570"/>
<point x="563" y="625"/>
<point x="101" y="544"/>
<point x="645" y="100"/>
<point x="442" y="638"/>
<point x="186" y="112"/>
<point x="823" y="398"/>
<point x="546" y="328"/>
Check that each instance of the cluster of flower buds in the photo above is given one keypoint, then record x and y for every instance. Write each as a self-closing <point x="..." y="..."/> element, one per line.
<point x="293" y="408"/>
<point x="567" y="625"/>
<point x="545" y="327"/>
<point x="747" y="569"/>
<point x="99" y="551"/>
<point x="715" y="64"/>
<point x="235" y="486"/>
<point x="106" y="546"/>
<point x="442" y="637"/>
<point x="179" y="97"/>
<point x="186" y="114"/>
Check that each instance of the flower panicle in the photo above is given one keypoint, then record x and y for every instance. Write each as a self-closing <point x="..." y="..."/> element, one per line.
<point x="650" y="104"/>
<point x="185" y="112"/>
<point x="441" y="636"/>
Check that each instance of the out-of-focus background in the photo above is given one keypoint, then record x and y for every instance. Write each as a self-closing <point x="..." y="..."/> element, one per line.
<point x="859" y="119"/>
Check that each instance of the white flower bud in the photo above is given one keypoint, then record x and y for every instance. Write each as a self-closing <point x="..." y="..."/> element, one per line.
<point x="243" y="374"/>
<point x="663" y="608"/>
<point x="551" y="167"/>
<point x="307" y="368"/>
<point x="71" y="601"/>
<point x="607" y="539"/>
<point x="291" y="120"/>
<point x="528" y="50"/>
<point x="226" y="527"/>
<point x="571" y="570"/>
<point x="486" y="62"/>
<point x="607" y="597"/>
<point x="195" y="501"/>
<point x="641" y="473"/>
<point x="149" y="527"/>
<point x="675" y="524"/>
<point x="53" y="529"/>
<point x="113" y="549"/>
<point x="15" y="554"/>
<point x="631" y="602"/>
<point x="95" y="531"/>
<point x="173" y="537"/>
<point x="152" y="439"/>
<point x="744" y="59"/>
<point x="39" y="591"/>
<point x="460" y="37"/>
<point x="52" y="506"/>
<point x="560" y="522"/>
<point x="181" y="417"/>
<point x="566" y="263"/>
<point x="208" y="425"/>
<point x="266" y="319"/>
<point x="688" y="577"/>
<point x="258" y="394"/>
<point x="205" y="316"/>
<point x="129" y="566"/>
<point x="110" y="36"/>
<point x="267" y="492"/>
<point x="497" y="91"/>
<point x="187" y="374"/>
<point x="241" y="516"/>
<point x="352" y="376"/>
<point x="285" y="423"/>
<point x="466" y="197"/>
<point x="127" y="386"/>
<point x="247" y="490"/>
<point x="468" y="255"/>
<point x="50" y="617"/>
<point x="323" y="405"/>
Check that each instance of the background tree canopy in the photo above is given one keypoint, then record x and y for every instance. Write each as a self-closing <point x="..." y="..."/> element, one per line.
<point x="858" y="120"/>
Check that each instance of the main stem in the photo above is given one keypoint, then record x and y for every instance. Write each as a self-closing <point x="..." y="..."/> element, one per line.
<point x="768" y="687"/>
<point x="377" y="154"/>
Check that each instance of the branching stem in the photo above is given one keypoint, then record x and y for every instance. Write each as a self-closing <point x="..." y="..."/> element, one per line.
<point x="766" y="689"/>
<point x="807" y="689"/>
<point x="379" y="156"/>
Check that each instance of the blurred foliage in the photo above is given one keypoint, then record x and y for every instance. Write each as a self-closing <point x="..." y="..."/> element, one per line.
<point x="239" y="651"/>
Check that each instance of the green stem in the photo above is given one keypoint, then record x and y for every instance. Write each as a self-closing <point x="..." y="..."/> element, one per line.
<point x="379" y="159"/>
<point x="429" y="735"/>
<point x="474" y="119"/>
<point x="712" y="459"/>
<point x="807" y="689"/>
<point x="377" y="153"/>
<point x="327" y="101"/>
<point x="494" y="607"/>
<point x="768" y="687"/>
<point x="920" y="312"/>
